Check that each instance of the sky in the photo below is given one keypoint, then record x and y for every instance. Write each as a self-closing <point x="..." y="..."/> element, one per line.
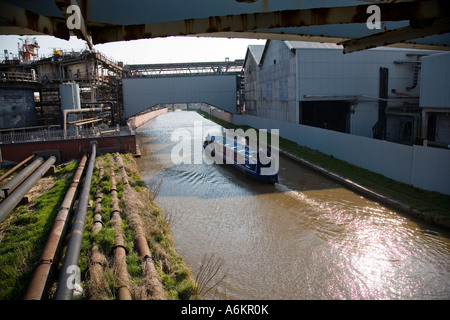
<point x="146" y="51"/>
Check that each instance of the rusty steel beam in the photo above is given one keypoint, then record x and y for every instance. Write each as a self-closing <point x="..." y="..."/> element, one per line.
<point x="44" y="269"/>
<point x="266" y="24"/>
<point x="247" y="23"/>
<point x="29" y="22"/>
<point x="397" y="36"/>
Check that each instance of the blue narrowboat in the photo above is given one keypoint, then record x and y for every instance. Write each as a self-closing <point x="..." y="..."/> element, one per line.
<point x="242" y="158"/>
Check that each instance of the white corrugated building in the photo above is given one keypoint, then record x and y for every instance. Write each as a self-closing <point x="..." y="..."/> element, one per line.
<point x="435" y="99"/>
<point x="316" y="84"/>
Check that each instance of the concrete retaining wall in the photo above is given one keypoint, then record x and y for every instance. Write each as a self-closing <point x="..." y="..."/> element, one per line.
<point x="137" y="121"/>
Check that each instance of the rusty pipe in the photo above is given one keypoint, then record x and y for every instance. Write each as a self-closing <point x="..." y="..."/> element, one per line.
<point x="67" y="111"/>
<point x="97" y="259"/>
<point x="20" y="177"/>
<point x="119" y="245"/>
<point x="69" y="270"/>
<point x="119" y="161"/>
<point x="8" y="204"/>
<point x="141" y="241"/>
<point x="17" y="166"/>
<point x="44" y="269"/>
<point x="98" y="223"/>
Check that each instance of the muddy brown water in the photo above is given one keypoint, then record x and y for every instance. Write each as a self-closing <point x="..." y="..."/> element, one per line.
<point x="305" y="237"/>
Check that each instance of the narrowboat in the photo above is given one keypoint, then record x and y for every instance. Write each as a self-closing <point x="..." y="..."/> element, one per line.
<point x="242" y="158"/>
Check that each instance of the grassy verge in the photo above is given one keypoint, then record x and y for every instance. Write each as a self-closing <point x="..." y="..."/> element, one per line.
<point x="173" y="274"/>
<point x="24" y="234"/>
<point x="434" y="205"/>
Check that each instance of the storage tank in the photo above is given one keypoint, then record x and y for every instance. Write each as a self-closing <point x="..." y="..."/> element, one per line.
<point x="70" y="97"/>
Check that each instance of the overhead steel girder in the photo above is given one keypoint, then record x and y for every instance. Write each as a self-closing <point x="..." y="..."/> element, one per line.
<point x="420" y="30"/>
<point x="248" y="19"/>
<point x="247" y="23"/>
<point x="21" y="21"/>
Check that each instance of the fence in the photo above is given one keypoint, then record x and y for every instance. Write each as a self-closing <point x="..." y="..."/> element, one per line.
<point x="19" y="76"/>
<point x="55" y="135"/>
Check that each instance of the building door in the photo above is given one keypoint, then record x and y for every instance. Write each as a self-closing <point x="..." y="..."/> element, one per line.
<point x="331" y="115"/>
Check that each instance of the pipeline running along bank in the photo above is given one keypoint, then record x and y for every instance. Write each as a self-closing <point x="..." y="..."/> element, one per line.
<point x="119" y="245"/>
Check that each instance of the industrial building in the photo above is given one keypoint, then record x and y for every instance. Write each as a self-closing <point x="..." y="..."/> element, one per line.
<point x="62" y="102"/>
<point x="375" y="93"/>
<point x="34" y="90"/>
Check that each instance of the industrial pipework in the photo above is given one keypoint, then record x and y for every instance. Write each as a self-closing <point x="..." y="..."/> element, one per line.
<point x="141" y="241"/>
<point x="70" y="271"/>
<point x="67" y="111"/>
<point x="10" y="202"/>
<point x="120" y="252"/>
<point x="17" y="166"/>
<point x="12" y="184"/>
<point x="44" y="269"/>
<point x="97" y="259"/>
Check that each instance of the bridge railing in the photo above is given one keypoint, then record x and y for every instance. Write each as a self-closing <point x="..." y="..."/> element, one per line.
<point x="55" y="135"/>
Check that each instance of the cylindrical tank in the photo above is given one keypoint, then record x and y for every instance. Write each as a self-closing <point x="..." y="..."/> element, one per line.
<point x="70" y="97"/>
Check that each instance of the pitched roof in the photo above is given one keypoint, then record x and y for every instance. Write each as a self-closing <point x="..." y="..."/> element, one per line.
<point x="292" y="45"/>
<point x="255" y="51"/>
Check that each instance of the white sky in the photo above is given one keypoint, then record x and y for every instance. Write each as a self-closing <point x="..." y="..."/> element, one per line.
<point x="159" y="50"/>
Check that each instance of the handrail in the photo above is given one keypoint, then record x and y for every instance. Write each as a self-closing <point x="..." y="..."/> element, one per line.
<point x="55" y="135"/>
<point x="19" y="76"/>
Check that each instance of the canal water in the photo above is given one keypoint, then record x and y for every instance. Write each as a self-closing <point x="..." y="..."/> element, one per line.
<point x="305" y="237"/>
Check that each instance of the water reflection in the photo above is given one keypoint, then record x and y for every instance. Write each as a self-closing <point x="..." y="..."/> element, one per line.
<point x="305" y="237"/>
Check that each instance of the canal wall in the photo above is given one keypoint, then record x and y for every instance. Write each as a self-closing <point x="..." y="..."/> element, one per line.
<point x="139" y="120"/>
<point x="423" y="167"/>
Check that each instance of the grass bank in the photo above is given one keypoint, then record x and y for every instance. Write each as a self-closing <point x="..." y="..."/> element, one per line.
<point x="432" y="207"/>
<point x="175" y="277"/>
<point x="24" y="233"/>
